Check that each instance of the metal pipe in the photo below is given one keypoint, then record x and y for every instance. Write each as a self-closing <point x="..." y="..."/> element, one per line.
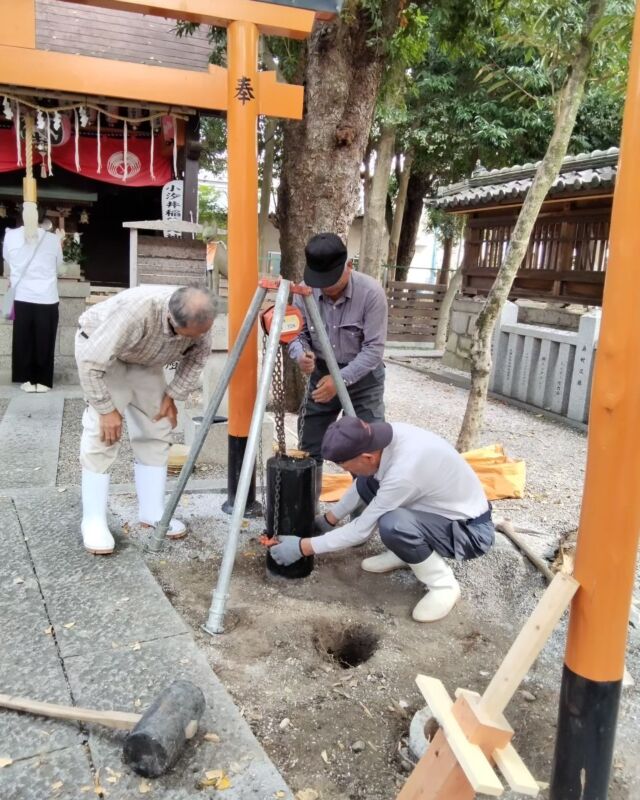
<point x="327" y="351"/>
<point x="215" y="620"/>
<point x="156" y="542"/>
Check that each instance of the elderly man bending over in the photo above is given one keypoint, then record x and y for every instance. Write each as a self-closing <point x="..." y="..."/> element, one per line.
<point x="122" y="345"/>
<point x="422" y="496"/>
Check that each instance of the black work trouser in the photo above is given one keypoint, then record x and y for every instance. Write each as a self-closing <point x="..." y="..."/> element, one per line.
<point x="367" y="396"/>
<point x="34" y="342"/>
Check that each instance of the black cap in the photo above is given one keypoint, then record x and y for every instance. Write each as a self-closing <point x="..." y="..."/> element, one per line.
<point x="350" y="437"/>
<point x="326" y="256"/>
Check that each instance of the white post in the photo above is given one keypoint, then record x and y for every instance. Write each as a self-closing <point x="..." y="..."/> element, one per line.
<point x="586" y="344"/>
<point x="133" y="257"/>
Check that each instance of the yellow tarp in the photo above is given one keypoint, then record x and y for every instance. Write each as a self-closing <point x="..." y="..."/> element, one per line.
<point x="501" y="477"/>
<point x="334" y="485"/>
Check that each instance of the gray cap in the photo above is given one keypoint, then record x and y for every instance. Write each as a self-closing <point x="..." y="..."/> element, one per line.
<point x="350" y="437"/>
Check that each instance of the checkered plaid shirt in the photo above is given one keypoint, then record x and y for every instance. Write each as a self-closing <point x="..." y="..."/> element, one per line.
<point x="133" y="326"/>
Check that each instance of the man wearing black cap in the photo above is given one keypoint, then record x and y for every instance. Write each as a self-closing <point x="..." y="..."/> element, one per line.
<point x="426" y="501"/>
<point x="353" y="307"/>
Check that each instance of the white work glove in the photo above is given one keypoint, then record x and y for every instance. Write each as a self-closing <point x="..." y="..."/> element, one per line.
<point x="321" y="524"/>
<point x="287" y="551"/>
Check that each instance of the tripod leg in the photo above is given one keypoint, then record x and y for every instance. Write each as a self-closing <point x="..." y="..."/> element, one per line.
<point x="215" y="619"/>
<point x="156" y="542"/>
<point x="327" y="352"/>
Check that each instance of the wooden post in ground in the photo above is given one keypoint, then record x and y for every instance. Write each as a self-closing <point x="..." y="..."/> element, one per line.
<point x="610" y="518"/>
<point x="474" y="733"/>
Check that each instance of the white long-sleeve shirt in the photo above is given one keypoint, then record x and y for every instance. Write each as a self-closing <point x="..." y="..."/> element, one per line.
<point x="39" y="283"/>
<point x="418" y="470"/>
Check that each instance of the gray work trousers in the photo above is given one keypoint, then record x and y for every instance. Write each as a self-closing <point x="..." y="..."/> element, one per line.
<point x="367" y="396"/>
<point x="413" y="535"/>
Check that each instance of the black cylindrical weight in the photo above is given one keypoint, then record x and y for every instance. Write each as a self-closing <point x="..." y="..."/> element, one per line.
<point x="154" y="745"/>
<point x="296" y="507"/>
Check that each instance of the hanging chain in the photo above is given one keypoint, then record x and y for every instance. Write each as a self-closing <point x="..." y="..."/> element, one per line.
<point x="279" y="410"/>
<point x="279" y="402"/>
<point x="302" y="411"/>
<point x="261" y="471"/>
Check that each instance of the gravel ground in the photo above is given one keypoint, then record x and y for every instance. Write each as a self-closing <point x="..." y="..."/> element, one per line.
<point x="4" y="403"/>
<point x="69" y="470"/>
<point x="267" y="658"/>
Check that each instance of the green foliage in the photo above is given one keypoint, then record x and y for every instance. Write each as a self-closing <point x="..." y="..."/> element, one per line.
<point x="213" y="137"/>
<point x="444" y="226"/>
<point x="211" y="212"/>
<point x="488" y="91"/>
<point x="72" y="248"/>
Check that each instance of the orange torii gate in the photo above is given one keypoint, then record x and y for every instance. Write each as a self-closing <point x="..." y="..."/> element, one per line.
<point x="240" y="90"/>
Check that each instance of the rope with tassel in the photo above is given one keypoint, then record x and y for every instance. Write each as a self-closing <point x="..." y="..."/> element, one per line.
<point x="29" y="186"/>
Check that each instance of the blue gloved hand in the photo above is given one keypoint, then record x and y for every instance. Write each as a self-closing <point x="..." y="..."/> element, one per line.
<point x="287" y="552"/>
<point x="321" y="524"/>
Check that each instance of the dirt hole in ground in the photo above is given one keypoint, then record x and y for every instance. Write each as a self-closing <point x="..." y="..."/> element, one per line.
<point x="346" y="646"/>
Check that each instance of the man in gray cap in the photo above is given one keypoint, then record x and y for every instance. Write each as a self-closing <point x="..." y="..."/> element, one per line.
<point x="426" y="501"/>
<point x="353" y="308"/>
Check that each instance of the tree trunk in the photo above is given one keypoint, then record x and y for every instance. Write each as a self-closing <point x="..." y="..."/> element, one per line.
<point x="374" y="225"/>
<point x="265" y="190"/>
<point x="569" y="103"/>
<point x="443" y="275"/>
<point x="401" y="199"/>
<point x="444" y="318"/>
<point x="320" y="180"/>
<point x="419" y="185"/>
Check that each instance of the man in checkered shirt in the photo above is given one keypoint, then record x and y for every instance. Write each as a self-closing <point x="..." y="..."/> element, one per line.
<point x="122" y="345"/>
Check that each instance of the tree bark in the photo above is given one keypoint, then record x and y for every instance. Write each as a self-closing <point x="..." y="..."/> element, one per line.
<point x="445" y="310"/>
<point x="569" y="102"/>
<point x="320" y="179"/>
<point x="374" y="224"/>
<point x="265" y="189"/>
<point x="419" y="184"/>
<point x="445" y="267"/>
<point x="401" y="199"/>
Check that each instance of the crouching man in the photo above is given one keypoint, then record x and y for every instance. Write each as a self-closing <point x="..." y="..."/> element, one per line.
<point x="122" y="345"/>
<point x="423" y="497"/>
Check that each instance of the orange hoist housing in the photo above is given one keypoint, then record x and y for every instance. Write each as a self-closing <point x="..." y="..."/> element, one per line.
<point x="291" y="327"/>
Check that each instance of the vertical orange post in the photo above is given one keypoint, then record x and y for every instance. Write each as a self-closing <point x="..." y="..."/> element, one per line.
<point x="242" y="150"/>
<point x="610" y="517"/>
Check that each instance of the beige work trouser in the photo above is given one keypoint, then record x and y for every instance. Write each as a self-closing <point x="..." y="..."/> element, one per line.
<point x="137" y="393"/>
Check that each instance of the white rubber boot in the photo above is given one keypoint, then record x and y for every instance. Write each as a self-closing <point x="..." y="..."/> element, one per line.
<point x="384" y="562"/>
<point x="96" y="535"/>
<point x="444" y="590"/>
<point x="150" y="486"/>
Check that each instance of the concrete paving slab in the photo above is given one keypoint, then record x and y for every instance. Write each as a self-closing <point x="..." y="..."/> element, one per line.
<point x="31" y="417"/>
<point x="127" y="607"/>
<point x="61" y="775"/>
<point x="51" y="523"/>
<point x="39" y="678"/>
<point x="15" y="562"/>
<point x="130" y="679"/>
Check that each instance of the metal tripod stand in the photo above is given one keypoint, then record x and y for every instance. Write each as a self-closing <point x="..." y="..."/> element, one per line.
<point x="214" y="623"/>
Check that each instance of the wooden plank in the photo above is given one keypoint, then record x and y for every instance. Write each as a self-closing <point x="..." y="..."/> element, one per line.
<point x="435" y="287"/>
<point x="173" y="264"/>
<point x="172" y="279"/>
<point x="401" y="337"/>
<point x="161" y="225"/>
<point x="529" y="643"/>
<point x="413" y="313"/>
<point x="471" y="759"/>
<point x="515" y="771"/>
